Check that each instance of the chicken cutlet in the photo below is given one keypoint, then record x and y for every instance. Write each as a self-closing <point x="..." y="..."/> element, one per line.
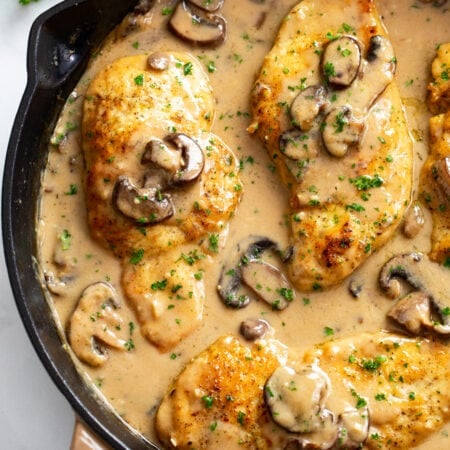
<point x="326" y="107"/>
<point x="435" y="173"/>
<point x="157" y="184"/>
<point x="374" y="391"/>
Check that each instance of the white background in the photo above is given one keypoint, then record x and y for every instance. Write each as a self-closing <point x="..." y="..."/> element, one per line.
<point x="33" y="413"/>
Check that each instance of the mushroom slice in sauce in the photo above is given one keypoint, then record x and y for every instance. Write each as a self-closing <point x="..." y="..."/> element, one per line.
<point x="95" y="323"/>
<point x="414" y="221"/>
<point x="253" y="329"/>
<point x="192" y="158"/>
<point x="341" y="60"/>
<point x="296" y="399"/>
<point x="197" y="27"/>
<point x="298" y="145"/>
<point x="341" y="131"/>
<point x="377" y="73"/>
<point x="307" y="106"/>
<point x="269" y="283"/>
<point x="425" y="308"/>
<point x="264" y="279"/>
<point x="353" y="428"/>
<point x="145" y="205"/>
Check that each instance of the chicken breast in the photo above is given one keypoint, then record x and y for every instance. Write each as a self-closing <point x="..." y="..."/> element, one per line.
<point x="157" y="182"/>
<point x="439" y="87"/>
<point x="435" y="187"/>
<point x="374" y="391"/>
<point x="329" y="113"/>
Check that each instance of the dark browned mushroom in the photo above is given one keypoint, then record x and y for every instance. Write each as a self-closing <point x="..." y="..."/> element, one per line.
<point x="95" y="324"/>
<point x="427" y="307"/>
<point x="145" y="205"/>
<point x="414" y="221"/>
<point x="197" y="27"/>
<point x="341" y="60"/>
<point x="252" y="329"/>
<point x="248" y="270"/>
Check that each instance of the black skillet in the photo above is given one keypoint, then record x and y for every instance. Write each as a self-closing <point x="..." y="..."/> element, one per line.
<point x="60" y="43"/>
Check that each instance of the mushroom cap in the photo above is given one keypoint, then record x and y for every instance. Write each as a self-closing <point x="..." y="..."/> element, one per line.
<point x="295" y="399"/>
<point x="95" y="324"/>
<point x="194" y="26"/>
<point x="341" y="60"/>
<point x="145" y="206"/>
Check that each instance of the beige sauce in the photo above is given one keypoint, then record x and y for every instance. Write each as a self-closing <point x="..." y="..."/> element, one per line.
<point x="133" y="382"/>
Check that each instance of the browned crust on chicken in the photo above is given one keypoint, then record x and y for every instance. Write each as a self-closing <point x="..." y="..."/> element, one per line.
<point x="435" y="187"/>
<point x="336" y="230"/>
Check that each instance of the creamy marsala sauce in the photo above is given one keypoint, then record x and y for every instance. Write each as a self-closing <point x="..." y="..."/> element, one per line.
<point x="133" y="382"/>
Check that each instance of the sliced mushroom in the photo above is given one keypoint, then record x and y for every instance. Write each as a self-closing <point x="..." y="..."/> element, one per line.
<point x="441" y="171"/>
<point x="247" y="270"/>
<point x="307" y="106"/>
<point x="353" y="428"/>
<point x="414" y="221"/>
<point x="95" y="324"/>
<point x="269" y="283"/>
<point x="207" y="5"/>
<point x="252" y="329"/>
<point x="158" y="153"/>
<point x="341" y="60"/>
<point x="197" y="27"/>
<point x="298" y="145"/>
<point x="158" y="61"/>
<point x="146" y="205"/>
<point x="413" y="312"/>
<point x="377" y="74"/>
<point x="401" y="266"/>
<point x="341" y="131"/>
<point x="295" y="401"/>
<point x="426" y="308"/>
<point x="192" y="158"/>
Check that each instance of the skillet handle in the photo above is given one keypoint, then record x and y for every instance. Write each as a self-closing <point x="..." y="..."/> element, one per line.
<point x="84" y="438"/>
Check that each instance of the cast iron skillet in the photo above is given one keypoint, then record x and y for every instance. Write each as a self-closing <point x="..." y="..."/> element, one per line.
<point x="60" y="43"/>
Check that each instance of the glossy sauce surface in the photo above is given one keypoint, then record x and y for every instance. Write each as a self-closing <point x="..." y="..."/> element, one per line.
<point x="134" y="381"/>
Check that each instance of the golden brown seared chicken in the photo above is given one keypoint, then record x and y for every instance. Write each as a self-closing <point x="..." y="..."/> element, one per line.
<point x="329" y="113"/>
<point x="373" y="391"/>
<point x="439" y="87"/>
<point x="435" y="187"/>
<point x="159" y="188"/>
<point x="435" y="173"/>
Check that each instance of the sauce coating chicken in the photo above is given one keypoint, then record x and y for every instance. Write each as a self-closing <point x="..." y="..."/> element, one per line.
<point x="158" y="187"/>
<point x="327" y="110"/>
<point x="439" y="88"/>
<point x="373" y="391"/>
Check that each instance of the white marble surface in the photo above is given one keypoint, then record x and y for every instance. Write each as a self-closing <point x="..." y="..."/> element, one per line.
<point x="33" y="413"/>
